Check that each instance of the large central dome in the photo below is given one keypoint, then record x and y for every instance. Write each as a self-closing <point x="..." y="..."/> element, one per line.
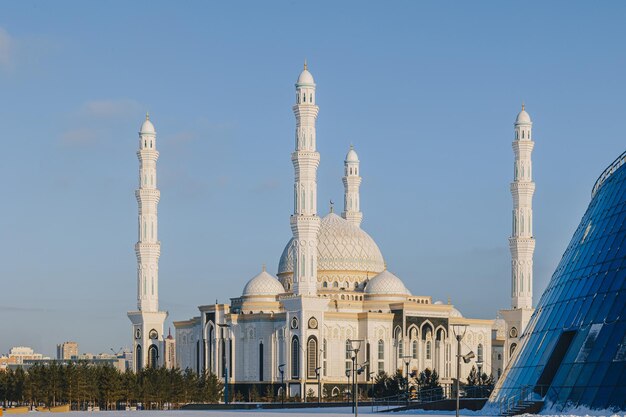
<point x="345" y="254"/>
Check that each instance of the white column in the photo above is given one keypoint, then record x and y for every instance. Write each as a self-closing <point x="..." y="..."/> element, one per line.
<point x="351" y="184"/>
<point x="522" y="242"/>
<point x="304" y="222"/>
<point x="148" y="247"/>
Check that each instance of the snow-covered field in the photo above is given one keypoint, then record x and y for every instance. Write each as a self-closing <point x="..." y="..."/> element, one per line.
<point x="326" y="412"/>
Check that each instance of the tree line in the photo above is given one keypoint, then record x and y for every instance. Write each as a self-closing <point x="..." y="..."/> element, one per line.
<point x="82" y="385"/>
<point x="425" y="385"/>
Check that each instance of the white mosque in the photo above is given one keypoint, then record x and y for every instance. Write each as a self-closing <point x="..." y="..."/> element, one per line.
<point x="332" y="293"/>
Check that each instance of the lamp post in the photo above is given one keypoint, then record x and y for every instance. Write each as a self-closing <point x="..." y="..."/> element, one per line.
<point x="282" y="383"/>
<point x="457" y="329"/>
<point x="355" y="346"/>
<point x="359" y="371"/>
<point x="348" y="371"/>
<point x="223" y="325"/>
<point x="319" y="385"/>
<point x="407" y="361"/>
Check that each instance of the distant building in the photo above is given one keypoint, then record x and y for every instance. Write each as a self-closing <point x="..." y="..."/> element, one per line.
<point x="169" y="351"/>
<point x="21" y="353"/>
<point x="5" y="361"/>
<point x="67" y="350"/>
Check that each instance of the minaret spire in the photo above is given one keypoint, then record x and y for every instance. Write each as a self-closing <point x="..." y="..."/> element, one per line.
<point x="522" y="241"/>
<point x="147" y="320"/>
<point x="304" y="221"/>
<point x="351" y="184"/>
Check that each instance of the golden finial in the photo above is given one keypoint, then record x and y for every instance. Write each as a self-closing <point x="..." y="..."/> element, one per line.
<point x="305" y="66"/>
<point x="332" y="206"/>
<point x="264" y="268"/>
<point x="449" y="301"/>
<point x="523" y="107"/>
<point x="147" y="116"/>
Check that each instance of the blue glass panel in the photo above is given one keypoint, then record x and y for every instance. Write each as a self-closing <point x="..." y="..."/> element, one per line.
<point x="586" y="295"/>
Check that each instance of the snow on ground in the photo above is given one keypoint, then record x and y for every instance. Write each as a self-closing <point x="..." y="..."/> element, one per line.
<point x="326" y="412"/>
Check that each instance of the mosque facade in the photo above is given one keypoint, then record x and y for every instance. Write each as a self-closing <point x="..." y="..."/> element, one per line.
<point x="334" y="299"/>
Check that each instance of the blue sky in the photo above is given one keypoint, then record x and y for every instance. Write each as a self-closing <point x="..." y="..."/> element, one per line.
<point x="426" y="91"/>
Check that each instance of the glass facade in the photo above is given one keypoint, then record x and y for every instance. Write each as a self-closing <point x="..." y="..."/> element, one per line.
<point x="573" y="352"/>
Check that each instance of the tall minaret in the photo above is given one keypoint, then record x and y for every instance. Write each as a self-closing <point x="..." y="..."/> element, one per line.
<point x="305" y="223"/>
<point x="148" y="320"/>
<point x="351" y="184"/>
<point x="522" y="242"/>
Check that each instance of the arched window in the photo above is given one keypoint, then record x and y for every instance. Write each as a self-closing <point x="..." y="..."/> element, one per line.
<point x="335" y="284"/>
<point x="139" y="357"/>
<point x="513" y="346"/>
<point x="499" y="356"/>
<point x="153" y="356"/>
<point x="311" y="357"/>
<point x="348" y="355"/>
<point x="295" y="357"/>
<point x="381" y="356"/>
<point x="428" y="350"/>
<point x="325" y="284"/>
<point x="414" y="349"/>
<point x="261" y="361"/>
<point x="479" y="354"/>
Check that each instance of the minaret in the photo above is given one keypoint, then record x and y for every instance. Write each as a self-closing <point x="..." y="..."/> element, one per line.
<point x="351" y="184"/>
<point x="305" y="223"/>
<point x="148" y="247"/>
<point x="148" y="320"/>
<point x="522" y="242"/>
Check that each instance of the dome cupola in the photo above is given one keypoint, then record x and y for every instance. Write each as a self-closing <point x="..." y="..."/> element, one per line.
<point x="386" y="283"/>
<point x="147" y="127"/>
<point x="305" y="78"/>
<point x="352" y="155"/>
<point x="263" y="285"/>
<point x="523" y="117"/>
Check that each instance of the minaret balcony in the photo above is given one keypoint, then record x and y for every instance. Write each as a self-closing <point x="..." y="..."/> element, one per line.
<point x="148" y="154"/>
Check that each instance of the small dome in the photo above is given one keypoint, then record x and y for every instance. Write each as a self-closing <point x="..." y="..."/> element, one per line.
<point x="455" y="313"/>
<point x="263" y="284"/>
<point x="522" y="117"/>
<point x="147" y="126"/>
<point x="386" y="283"/>
<point x="305" y="77"/>
<point x="352" y="156"/>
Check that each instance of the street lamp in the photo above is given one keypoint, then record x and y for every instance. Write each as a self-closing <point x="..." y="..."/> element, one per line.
<point x="359" y="371"/>
<point x="319" y="384"/>
<point x="355" y="346"/>
<point x="459" y="332"/>
<point x="223" y="325"/>
<point x="407" y="361"/>
<point x="282" y="382"/>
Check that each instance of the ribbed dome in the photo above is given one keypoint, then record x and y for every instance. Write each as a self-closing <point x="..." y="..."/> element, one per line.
<point x="341" y="246"/>
<point x="263" y="284"/>
<point x="147" y="126"/>
<point x="386" y="283"/>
